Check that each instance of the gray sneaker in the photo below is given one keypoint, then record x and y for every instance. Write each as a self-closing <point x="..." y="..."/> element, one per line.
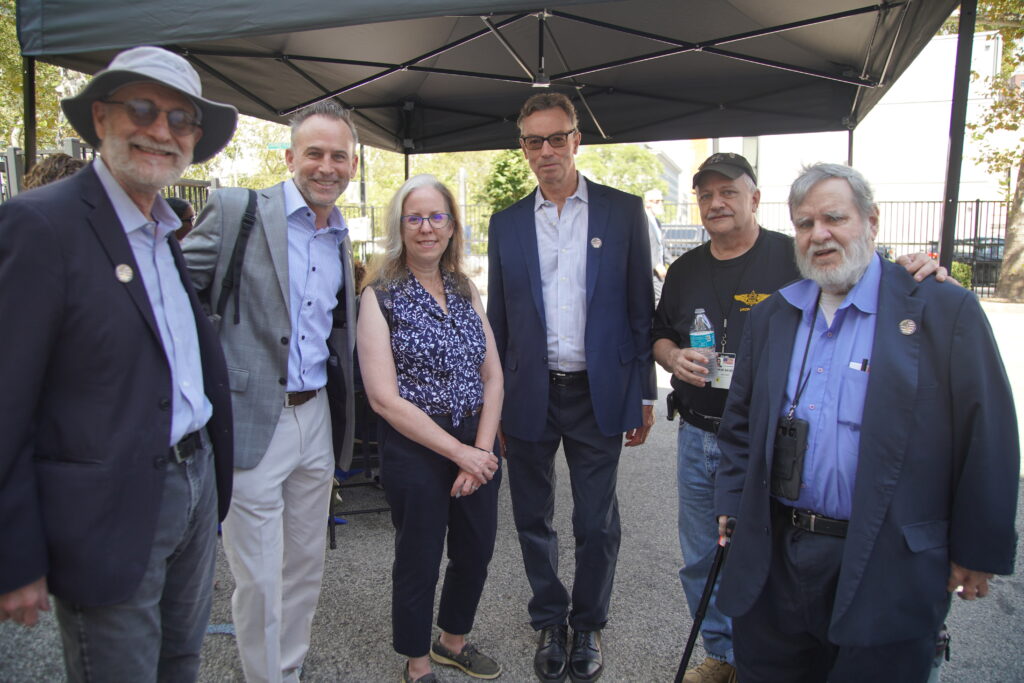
<point x="470" y="660"/>
<point x="406" y="678"/>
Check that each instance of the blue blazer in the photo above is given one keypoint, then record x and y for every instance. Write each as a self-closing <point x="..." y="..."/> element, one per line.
<point x="620" y="308"/>
<point x="85" y="412"/>
<point x="937" y="473"/>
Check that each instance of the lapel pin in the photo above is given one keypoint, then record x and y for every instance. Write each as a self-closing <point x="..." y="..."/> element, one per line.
<point x="908" y="327"/>
<point x="596" y="243"/>
<point x="124" y="273"/>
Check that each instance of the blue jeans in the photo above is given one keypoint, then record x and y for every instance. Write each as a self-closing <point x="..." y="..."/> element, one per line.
<point x="156" y="634"/>
<point x="697" y="463"/>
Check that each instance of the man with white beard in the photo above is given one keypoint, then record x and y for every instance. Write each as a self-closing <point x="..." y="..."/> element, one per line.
<point x="117" y="445"/>
<point x="869" y="456"/>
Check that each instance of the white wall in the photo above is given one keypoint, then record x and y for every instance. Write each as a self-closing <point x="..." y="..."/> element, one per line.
<point x="901" y="146"/>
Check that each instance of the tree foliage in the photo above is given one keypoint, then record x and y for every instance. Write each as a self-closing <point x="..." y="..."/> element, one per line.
<point x="999" y="135"/>
<point x="627" y="167"/>
<point x="509" y="181"/>
<point x="52" y="84"/>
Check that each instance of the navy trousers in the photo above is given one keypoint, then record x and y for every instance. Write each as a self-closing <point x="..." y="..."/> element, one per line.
<point x="593" y="461"/>
<point x="784" y="637"/>
<point x="417" y="482"/>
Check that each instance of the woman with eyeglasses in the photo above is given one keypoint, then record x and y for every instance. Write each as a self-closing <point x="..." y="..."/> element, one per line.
<point x="432" y="373"/>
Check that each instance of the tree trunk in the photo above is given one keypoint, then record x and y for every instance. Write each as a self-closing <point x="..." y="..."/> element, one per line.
<point x="1011" y="275"/>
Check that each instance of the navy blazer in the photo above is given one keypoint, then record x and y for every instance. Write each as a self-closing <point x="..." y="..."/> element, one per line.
<point x="620" y="308"/>
<point x="937" y="471"/>
<point x="86" y="409"/>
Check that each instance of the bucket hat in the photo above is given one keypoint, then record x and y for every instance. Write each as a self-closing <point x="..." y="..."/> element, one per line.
<point x="156" y="65"/>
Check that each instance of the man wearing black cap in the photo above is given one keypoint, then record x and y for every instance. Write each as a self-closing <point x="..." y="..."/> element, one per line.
<point x="116" y="420"/>
<point x="739" y="267"/>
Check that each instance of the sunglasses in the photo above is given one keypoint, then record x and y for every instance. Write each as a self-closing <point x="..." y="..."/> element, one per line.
<point x="143" y="113"/>
<point x="556" y="140"/>
<point x="438" y="221"/>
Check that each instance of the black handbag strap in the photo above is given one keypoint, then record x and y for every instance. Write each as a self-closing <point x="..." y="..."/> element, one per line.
<point x="233" y="276"/>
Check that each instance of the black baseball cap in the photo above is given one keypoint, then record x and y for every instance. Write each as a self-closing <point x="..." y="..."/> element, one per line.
<point x="728" y="164"/>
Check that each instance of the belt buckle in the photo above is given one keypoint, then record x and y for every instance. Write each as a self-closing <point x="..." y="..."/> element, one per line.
<point x="813" y="517"/>
<point x="186" y="442"/>
<point x="178" y="457"/>
<point x="793" y="517"/>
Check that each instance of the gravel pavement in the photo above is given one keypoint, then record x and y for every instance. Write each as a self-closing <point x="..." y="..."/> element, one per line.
<point x="649" y="622"/>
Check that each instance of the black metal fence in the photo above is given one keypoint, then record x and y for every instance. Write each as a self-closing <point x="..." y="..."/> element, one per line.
<point x="904" y="228"/>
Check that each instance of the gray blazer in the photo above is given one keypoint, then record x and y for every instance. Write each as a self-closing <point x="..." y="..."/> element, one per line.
<point x="256" y="348"/>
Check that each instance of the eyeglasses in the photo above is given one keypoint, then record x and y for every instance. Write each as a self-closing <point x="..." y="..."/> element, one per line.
<point x="556" y="140"/>
<point x="438" y="221"/>
<point x="144" y="112"/>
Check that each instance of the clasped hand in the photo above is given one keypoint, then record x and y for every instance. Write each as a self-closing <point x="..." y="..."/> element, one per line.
<point x="476" y="468"/>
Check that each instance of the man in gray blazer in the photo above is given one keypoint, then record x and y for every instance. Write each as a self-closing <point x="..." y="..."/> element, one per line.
<point x="285" y="336"/>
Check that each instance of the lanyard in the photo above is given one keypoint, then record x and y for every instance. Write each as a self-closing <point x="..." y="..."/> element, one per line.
<point x="802" y="384"/>
<point x="726" y="308"/>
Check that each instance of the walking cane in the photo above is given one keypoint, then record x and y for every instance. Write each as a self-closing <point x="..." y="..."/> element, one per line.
<point x="702" y="607"/>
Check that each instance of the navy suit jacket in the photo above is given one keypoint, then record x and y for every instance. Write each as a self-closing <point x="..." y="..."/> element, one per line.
<point x="85" y="415"/>
<point x="620" y="308"/>
<point x="937" y="471"/>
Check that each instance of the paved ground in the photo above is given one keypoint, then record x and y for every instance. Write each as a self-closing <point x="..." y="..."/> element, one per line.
<point x="649" y="622"/>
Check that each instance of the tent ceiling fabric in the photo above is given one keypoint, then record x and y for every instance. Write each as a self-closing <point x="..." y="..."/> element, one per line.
<point x="448" y="76"/>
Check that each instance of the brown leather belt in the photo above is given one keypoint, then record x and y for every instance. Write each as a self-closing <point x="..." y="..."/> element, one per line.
<point x="815" y="523"/>
<point x="297" y="398"/>
<point x="189" y="445"/>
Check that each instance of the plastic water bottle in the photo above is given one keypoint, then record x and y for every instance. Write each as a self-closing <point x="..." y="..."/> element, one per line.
<point x="702" y="339"/>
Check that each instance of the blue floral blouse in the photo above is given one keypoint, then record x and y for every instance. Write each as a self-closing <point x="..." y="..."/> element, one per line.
<point x="437" y="355"/>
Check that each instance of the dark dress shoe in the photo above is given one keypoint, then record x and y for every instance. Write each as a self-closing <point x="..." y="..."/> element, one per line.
<point x="551" y="661"/>
<point x="585" y="663"/>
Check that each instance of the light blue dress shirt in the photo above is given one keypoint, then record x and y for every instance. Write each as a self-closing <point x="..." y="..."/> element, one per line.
<point x="314" y="279"/>
<point x="562" y="247"/>
<point x="838" y="365"/>
<point x="169" y="301"/>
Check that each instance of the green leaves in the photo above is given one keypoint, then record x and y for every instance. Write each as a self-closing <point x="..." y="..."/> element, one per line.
<point x="509" y="181"/>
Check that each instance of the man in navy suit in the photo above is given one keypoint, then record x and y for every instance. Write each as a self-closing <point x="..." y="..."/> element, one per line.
<point x="571" y="302"/>
<point x="869" y="455"/>
<point x="116" y="451"/>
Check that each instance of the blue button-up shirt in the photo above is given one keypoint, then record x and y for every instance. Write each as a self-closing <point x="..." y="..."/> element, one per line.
<point x="167" y="296"/>
<point x="837" y="368"/>
<point x="314" y="279"/>
<point x="562" y="247"/>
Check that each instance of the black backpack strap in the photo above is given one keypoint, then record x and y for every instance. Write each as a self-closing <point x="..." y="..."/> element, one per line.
<point x="233" y="276"/>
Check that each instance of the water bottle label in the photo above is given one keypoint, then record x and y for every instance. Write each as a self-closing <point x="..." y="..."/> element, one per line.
<point x="702" y="340"/>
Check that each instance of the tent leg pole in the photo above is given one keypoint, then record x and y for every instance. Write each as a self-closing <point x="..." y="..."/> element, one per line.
<point x="849" y="147"/>
<point x="957" y="123"/>
<point x="28" y="78"/>
<point x="406" y="165"/>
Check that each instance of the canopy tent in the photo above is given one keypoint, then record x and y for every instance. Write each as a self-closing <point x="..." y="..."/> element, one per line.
<point x="450" y="75"/>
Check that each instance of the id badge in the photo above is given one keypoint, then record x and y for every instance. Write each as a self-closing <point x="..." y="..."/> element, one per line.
<point x="725" y="364"/>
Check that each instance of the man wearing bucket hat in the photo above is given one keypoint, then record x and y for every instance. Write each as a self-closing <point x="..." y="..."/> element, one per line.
<point x="116" y="419"/>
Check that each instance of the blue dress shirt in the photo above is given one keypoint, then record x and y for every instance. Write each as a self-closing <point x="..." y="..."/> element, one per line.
<point x="562" y="248"/>
<point x="837" y="368"/>
<point x="169" y="300"/>
<point x="314" y="280"/>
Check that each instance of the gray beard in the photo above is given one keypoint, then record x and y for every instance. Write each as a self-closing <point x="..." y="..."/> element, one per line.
<point x="117" y="156"/>
<point x="839" y="279"/>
